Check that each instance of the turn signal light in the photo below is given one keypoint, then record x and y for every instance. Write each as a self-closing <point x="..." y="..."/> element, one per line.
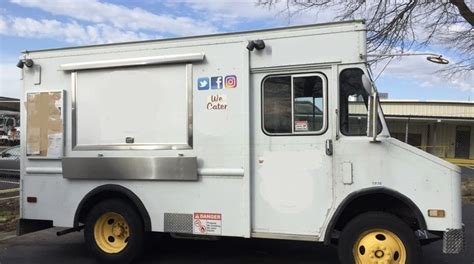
<point x="436" y="213"/>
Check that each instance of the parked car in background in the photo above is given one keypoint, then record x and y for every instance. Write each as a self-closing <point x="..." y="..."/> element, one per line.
<point x="9" y="128"/>
<point x="10" y="161"/>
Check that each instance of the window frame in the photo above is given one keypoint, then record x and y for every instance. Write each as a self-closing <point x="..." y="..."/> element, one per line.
<point x="323" y="129"/>
<point x="381" y="127"/>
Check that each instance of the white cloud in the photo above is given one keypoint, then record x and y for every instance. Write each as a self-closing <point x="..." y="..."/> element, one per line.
<point x="121" y="17"/>
<point x="3" y="26"/>
<point x="71" y="32"/>
<point x="427" y="74"/>
<point x="243" y="11"/>
<point x="10" y="79"/>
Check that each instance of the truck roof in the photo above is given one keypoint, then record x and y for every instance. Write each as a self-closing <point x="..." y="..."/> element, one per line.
<point x="218" y="35"/>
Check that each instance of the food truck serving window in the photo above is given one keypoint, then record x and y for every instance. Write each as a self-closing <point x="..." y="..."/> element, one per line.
<point x="294" y="104"/>
<point x="132" y="107"/>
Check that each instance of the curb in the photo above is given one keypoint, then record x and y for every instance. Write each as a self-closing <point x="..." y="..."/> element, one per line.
<point x="9" y="190"/>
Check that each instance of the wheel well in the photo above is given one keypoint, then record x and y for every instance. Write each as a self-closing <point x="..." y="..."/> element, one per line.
<point x="375" y="201"/>
<point x="111" y="191"/>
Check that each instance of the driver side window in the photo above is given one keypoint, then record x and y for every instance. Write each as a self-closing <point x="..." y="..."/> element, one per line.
<point x="353" y="100"/>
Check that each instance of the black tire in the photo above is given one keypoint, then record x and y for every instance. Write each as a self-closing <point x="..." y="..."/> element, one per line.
<point x="377" y="221"/>
<point x="136" y="233"/>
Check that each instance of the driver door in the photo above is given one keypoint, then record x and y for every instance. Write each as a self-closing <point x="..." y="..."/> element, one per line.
<point x="292" y="177"/>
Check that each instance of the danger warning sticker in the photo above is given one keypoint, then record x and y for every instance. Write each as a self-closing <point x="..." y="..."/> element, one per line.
<point x="207" y="224"/>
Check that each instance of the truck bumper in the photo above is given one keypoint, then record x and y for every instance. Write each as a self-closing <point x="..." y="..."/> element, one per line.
<point x="453" y="241"/>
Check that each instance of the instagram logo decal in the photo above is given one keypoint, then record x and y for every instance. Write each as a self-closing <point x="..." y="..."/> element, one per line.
<point x="217" y="82"/>
<point x="230" y="81"/>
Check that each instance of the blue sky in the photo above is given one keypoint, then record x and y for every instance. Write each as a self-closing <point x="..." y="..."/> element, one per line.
<point x="38" y="24"/>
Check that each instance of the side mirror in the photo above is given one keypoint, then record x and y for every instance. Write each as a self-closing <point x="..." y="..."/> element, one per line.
<point x="5" y="155"/>
<point x="367" y="84"/>
<point x="373" y="108"/>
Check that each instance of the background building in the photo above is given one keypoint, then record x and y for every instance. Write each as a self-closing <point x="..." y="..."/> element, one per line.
<point x="9" y="104"/>
<point x="445" y="129"/>
<point x="442" y="128"/>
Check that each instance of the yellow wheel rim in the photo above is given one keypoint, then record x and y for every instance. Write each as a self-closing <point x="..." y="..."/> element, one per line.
<point x="111" y="233"/>
<point x="379" y="246"/>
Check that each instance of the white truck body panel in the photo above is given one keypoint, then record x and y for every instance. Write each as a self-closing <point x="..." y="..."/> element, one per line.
<point x="263" y="186"/>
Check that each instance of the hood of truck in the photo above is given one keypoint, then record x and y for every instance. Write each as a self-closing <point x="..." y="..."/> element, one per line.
<point x="424" y="154"/>
<point x="430" y="182"/>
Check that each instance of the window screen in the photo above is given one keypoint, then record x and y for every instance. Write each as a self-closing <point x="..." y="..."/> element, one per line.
<point x="293" y="104"/>
<point x="148" y="104"/>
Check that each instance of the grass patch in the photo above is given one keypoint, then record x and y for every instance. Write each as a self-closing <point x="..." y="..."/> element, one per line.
<point x="467" y="189"/>
<point x="9" y="214"/>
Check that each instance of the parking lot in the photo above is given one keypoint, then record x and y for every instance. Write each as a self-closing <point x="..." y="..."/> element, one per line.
<point x="46" y="247"/>
<point x="9" y="187"/>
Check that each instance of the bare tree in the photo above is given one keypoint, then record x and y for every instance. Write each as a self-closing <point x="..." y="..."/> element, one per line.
<point x="400" y="24"/>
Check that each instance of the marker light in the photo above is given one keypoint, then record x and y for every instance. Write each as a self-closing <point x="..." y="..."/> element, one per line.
<point x="436" y="213"/>
<point x="31" y="199"/>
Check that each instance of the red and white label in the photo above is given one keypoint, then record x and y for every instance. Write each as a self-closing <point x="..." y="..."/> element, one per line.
<point x="301" y="125"/>
<point x="207" y="224"/>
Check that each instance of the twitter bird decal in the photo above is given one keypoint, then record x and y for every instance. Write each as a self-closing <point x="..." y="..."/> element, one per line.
<point x="203" y="83"/>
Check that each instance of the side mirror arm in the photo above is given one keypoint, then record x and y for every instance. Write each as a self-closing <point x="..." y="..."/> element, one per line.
<point x="373" y="117"/>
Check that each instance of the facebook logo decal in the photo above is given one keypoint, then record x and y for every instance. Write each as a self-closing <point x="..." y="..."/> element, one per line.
<point x="203" y="83"/>
<point x="216" y="82"/>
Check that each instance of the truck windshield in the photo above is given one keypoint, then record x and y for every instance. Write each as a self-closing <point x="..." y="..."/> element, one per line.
<point x="353" y="100"/>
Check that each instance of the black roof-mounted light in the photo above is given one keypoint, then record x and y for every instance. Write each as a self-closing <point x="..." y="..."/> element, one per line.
<point x="28" y="62"/>
<point x="256" y="44"/>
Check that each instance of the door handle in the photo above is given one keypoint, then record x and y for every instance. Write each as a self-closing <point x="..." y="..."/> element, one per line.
<point x="329" y="149"/>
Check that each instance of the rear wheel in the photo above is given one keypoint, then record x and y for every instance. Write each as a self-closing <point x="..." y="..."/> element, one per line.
<point x="114" y="232"/>
<point x="378" y="238"/>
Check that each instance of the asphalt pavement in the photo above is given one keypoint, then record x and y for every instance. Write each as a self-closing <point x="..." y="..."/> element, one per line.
<point x="9" y="187"/>
<point x="46" y="247"/>
<point x="6" y="185"/>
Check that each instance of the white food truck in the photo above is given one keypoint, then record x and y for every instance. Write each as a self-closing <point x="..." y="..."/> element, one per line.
<point x="273" y="134"/>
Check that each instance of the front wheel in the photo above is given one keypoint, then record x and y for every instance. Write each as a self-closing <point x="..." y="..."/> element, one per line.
<point x="377" y="237"/>
<point x="114" y="232"/>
